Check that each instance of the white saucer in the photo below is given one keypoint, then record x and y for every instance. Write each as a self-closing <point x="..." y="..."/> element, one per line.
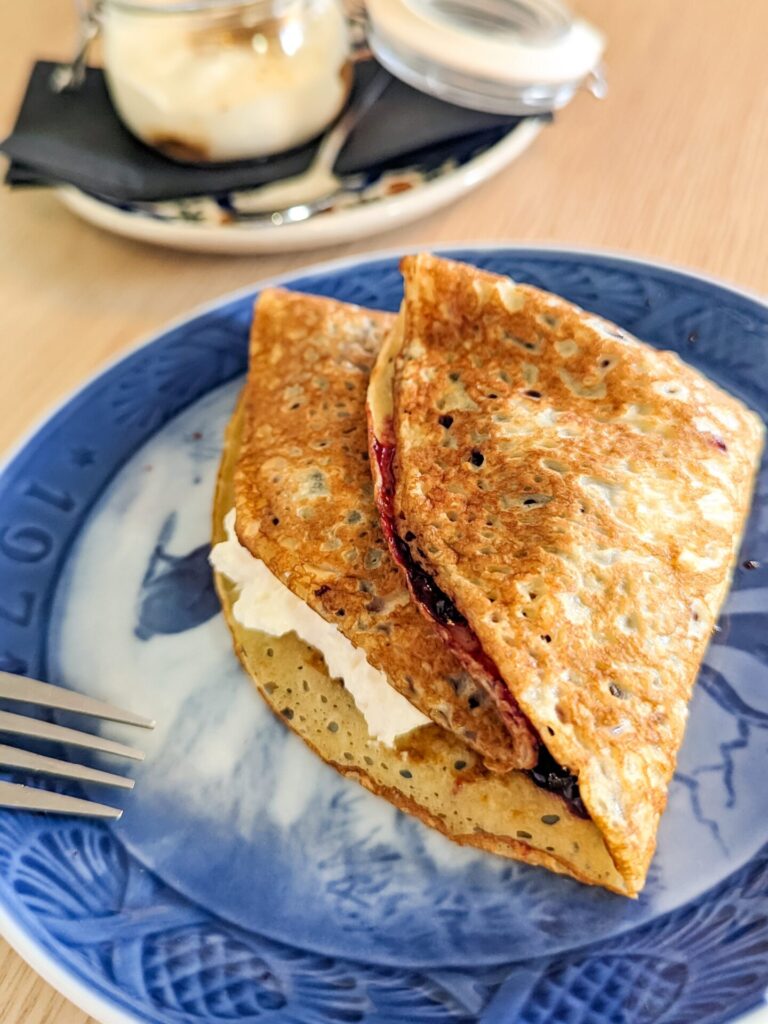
<point x="207" y="224"/>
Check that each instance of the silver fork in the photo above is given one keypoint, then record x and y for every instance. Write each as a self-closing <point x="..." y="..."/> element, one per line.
<point x="30" y="691"/>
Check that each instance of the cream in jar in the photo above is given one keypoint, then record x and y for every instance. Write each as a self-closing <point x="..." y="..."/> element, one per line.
<point x="226" y="81"/>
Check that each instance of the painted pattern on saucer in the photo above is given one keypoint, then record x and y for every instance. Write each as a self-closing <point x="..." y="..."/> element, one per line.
<point x="375" y="200"/>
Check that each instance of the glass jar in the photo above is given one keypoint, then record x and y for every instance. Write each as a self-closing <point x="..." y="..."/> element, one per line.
<point x="514" y="57"/>
<point x="219" y="80"/>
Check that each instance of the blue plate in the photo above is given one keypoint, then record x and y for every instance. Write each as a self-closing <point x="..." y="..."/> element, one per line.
<point x="248" y="882"/>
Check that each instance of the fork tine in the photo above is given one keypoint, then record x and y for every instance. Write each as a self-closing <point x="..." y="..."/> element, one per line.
<point x="29" y="799"/>
<point x="13" y="687"/>
<point x="12" y="757"/>
<point x="20" y="725"/>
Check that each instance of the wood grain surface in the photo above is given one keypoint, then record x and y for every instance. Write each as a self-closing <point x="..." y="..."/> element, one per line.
<point x="673" y="165"/>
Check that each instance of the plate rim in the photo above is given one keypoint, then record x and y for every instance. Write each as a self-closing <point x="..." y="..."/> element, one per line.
<point x="448" y="249"/>
<point x="59" y="974"/>
<point x="339" y="227"/>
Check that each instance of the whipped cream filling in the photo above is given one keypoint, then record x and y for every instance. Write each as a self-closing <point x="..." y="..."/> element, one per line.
<point x="266" y="604"/>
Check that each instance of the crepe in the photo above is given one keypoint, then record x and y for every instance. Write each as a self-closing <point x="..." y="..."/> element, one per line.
<point x="304" y="500"/>
<point x="302" y="413"/>
<point x="576" y="498"/>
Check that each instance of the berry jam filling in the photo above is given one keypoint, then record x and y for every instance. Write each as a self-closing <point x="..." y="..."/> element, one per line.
<point x="550" y="775"/>
<point x="425" y="589"/>
<point x="546" y="773"/>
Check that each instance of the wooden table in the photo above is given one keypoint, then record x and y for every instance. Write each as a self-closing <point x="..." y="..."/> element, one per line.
<point x="674" y="165"/>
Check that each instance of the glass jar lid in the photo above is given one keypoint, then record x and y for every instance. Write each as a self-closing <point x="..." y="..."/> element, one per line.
<point x="189" y="6"/>
<point x="512" y="57"/>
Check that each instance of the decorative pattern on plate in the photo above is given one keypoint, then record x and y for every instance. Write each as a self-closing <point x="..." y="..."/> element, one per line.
<point x="358" y="190"/>
<point x="405" y="927"/>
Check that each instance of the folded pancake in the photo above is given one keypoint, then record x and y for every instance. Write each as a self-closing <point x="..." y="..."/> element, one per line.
<point x="566" y="504"/>
<point x="295" y="503"/>
<point x="304" y="503"/>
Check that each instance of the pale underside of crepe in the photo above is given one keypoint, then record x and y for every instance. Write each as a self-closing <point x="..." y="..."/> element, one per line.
<point x="432" y="774"/>
<point x="580" y="497"/>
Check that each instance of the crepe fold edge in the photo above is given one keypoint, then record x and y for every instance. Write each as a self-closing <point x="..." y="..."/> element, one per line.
<point x="468" y="804"/>
<point x="632" y="846"/>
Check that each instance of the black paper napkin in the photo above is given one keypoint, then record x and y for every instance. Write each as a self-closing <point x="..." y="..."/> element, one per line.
<point x="77" y="138"/>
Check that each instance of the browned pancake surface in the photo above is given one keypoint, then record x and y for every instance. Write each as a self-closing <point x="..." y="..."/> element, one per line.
<point x="430" y="773"/>
<point x="305" y="507"/>
<point x="580" y="496"/>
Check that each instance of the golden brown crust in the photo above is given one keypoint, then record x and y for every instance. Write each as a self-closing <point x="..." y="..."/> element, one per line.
<point x="523" y="739"/>
<point x="305" y="505"/>
<point x="582" y="509"/>
<point x="432" y="774"/>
